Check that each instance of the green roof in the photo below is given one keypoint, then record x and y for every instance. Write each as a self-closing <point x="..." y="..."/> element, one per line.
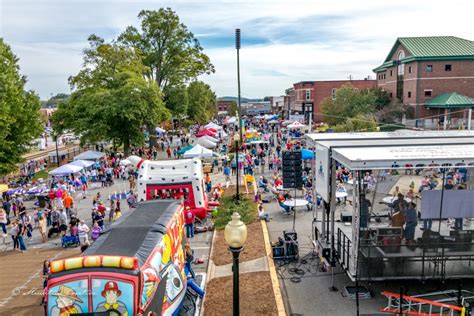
<point x="450" y="100"/>
<point x="431" y="48"/>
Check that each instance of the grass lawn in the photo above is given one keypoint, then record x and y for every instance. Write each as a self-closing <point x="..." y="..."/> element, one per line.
<point x="42" y="174"/>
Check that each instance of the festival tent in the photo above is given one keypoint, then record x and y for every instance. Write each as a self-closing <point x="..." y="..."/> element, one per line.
<point x="307" y="154"/>
<point x="82" y="163"/>
<point x="65" y="170"/>
<point x="159" y="130"/>
<point x="230" y="120"/>
<point x="206" y="143"/>
<point x="90" y="155"/>
<point x="3" y="188"/>
<point x="273" y="122"/>
<point x="224" y="134"/>
<point x="213" y="125"/>
<point x="205" y="132"/>
<point x="184" y="149"/>
<point x="198" y="151"/>
<point x="212" y="139"/>
<point x="296" y="125"/>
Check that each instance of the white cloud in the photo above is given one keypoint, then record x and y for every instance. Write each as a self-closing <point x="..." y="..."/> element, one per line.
<point x="304" y="39"/>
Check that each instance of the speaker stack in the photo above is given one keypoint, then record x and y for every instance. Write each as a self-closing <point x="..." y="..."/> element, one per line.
<point x="292" y="170"/>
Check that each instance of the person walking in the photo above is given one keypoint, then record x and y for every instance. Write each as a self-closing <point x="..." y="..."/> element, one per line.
<point x="83" y="233"/>
<point x="189" y="219"/>
<point x="42" y="226"/>
<point x="20" y="236"/>
<point x="3" y="221"/>
<point x="14" y="234"/>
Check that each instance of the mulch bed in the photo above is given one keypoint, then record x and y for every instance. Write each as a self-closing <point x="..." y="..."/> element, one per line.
<point x="256" y="295"/>
<point x="254" y="246"/>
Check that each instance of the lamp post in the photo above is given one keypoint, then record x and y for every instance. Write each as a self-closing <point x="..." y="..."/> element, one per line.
<point x="237" y="47"/>
<point x="235" y="234"/>
<point x="236" y="142"/>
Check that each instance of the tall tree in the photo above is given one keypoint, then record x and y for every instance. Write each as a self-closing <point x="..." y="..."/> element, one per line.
<point x="20" y="121"/>
<point x="171" y="52"/>
<point x="202" y="102"/>
<point x="348" y="103"/>
<point x="112" y="100"/>
<point x="176" y="100"/>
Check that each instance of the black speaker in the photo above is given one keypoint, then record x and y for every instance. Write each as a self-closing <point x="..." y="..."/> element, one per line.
<point x="290" y="235"/>
<point x="292" y="169"/>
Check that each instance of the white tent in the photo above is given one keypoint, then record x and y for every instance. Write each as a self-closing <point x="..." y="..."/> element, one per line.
<point x="89" y="155"/>
<point x="198" y="152"/>
<point x="296" y="125"/>
<point x="213" y="125"/>
<point x="224" y="134"/>
<point x="212" y="139"/>
<point x="65" y="170"/>
<point x="206" y="143"/>
<point x="159" y="130"/>
<point x="231" y="120"/>
<point x="82" y="163"/>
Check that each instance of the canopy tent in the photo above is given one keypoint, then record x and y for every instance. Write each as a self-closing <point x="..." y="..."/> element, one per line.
<point x="213" y="125"/>
<point x="159" y="130"/>
<point x="212" y="139"/>
<point x="184" y="149"/>
<point x="212" y="129"/>
<point x="269" y="117"/>
<point x="90" y="155"/>
<point x="296" y="125"/>
<point x="3" y="188"/>
<point x="199" y="151"/>
<point x="82" y="163"/>
<point x="65" y="170"/>
<point x="450" y="100"/>
<point x="307" y="154"/>
<point x="224" y="134"/>
<point x="286" y="122"/>
<point x="205" y="132"/>
<point x="206" y="143"/>
<point x="230" y="120"/>
<point x="273" y="122"/>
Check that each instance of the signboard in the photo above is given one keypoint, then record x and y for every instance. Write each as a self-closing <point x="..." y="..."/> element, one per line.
<point x="322" y="172"/>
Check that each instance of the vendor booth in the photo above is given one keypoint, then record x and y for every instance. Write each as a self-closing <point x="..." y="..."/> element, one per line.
<point x="90" y="155"/>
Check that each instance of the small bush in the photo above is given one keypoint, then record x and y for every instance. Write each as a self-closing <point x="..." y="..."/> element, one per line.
<point x="246" y="208"/>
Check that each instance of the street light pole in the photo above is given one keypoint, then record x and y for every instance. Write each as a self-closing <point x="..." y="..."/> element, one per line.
<point x="237" y="47"/>
<point x="237" y="194"/>
<point x="235" y="287"/>
<point x="57" y="153"/>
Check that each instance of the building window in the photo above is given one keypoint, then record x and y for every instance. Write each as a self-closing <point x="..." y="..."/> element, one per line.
<point x="391" y="73"/>
<point x="409" y="69"/>
<point x="384" y="76"/>
<point x="333" y="93"/>
<point x="409" y="94"/>
<point x="447" y="67"/>
<point x="391" y="95"/>
<point x="401" y="67"/>
<point x="308" y="95"/>
<point x="428" y="93"/>
<point x="429" y="68"/>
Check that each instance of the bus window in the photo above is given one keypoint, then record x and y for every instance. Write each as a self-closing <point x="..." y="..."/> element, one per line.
<point x="110" y="294"/>
<point x="68" y="298"/>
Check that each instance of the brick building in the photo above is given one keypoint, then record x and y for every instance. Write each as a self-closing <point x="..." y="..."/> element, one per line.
<point x="223" y="105"/>
<point x="310" y="94"/>
<point x="277" y="103"/>
<point x="418" y="69"/>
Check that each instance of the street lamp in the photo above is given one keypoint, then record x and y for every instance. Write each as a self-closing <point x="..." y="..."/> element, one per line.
<point x="236" y="142"/>
<point x="235" y="234"/>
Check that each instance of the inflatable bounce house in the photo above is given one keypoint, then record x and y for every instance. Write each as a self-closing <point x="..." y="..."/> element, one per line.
<point x="172" y="179"/>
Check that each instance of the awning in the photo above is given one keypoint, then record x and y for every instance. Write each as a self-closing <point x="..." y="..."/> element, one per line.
<point x="199" y="151"/>
<point x="65" y="170"/>
<point x="450" y="100"/>
<point x="184" y="149"/>
<point x="307" y="154"/>
<point x="3" y="188"/>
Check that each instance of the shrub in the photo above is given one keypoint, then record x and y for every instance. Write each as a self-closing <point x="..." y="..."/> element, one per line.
<point x="246" y="208"/>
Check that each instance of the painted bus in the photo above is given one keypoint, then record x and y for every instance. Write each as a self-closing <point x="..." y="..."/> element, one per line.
<point x="182" y="178"/>
<point x="135" y="267"/>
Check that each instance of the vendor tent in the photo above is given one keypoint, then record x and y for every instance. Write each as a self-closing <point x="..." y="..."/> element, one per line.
<point x="65" y="170"/>
<point x="90" y="155"/>
<point x="273" y="122"/>
<point x="205" y="132"/>
<point x="159" y="130"/>
<point x="206" y="143"/>
<point x="296" y="125"/>
<point x="184" y="149"/>
<point x="231" y="120"/>
<point x="307" y="154"/>
<point x="82" y="163"/>
<point x="213" y="125"/>
<point x="212" y="139"/>
<point x="198" y="151"/>
<point x="3" y="188"/>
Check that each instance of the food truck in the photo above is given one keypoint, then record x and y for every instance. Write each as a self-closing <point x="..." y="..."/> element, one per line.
<point x="134" y="267"/>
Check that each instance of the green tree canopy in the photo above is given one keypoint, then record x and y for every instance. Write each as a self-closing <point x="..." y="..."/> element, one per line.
<point x="348" y="103"/>
<point x="232" y="108"/>
<point x="359" y="123"/>
<point x="112" y="100"/>
<point x="20" y="121"/>
<point x="202" y="102"/>
<point x="176" y="100"/>
<point x="170" y="51"/>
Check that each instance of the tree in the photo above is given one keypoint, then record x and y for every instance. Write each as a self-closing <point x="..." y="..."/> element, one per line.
<point x="20" y="121"/>
<point x="176" y="100"/>
<point x="232" y="108"/>
<point x="170" y="51"/>
<point x="348" y="103"/>
<point x="55" y="100"/>
<point x="112" y="100"/>
<point x="359" y="123"/>
<point x="382" y="98"/>
<point x="202" y="102"/>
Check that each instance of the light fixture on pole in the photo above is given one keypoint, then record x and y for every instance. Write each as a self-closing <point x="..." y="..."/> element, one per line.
<point x="236" y="143"/>
<point x="235" y="234"/>
<point x="237" y="47"/>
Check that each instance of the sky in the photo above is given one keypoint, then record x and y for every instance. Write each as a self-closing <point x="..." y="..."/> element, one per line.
<point x="283" y="42"/>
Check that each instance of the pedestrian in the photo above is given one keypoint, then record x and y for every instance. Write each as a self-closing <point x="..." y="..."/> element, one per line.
<point x="168" y="152"/>
<point x="46" y="273"/>
<point x="83" y="233"/>
<point x="227" y="176"/>
<point x="42" y="226"/>
<point x="111" y="211"/>
<point x="3" y="221"/>
<point x="20" y="236"/>
<point x="189" y="219"/>
<point x="189" y="260"/>
<point x="14" y="229"/>
<point x="95" y="231"/>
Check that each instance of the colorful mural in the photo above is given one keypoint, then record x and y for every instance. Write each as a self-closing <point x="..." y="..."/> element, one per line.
<point x="68" y="298"/>
<point x="112" y="295"/>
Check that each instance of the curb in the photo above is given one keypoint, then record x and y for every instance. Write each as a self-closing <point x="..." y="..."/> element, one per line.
<point x="210" y="268"/>
<point x="273" y="275"/>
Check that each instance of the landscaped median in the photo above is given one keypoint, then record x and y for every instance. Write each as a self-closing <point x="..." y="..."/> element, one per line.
<point x="259" y="293"/>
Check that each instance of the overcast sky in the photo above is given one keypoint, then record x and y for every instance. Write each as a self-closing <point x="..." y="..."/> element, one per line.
<point x="282" y="41"/>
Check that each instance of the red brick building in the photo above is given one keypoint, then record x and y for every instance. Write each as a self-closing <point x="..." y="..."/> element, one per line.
<point x="418" y="69"/>
<point x="223" y="105"/>
<point x="310" y="94"/>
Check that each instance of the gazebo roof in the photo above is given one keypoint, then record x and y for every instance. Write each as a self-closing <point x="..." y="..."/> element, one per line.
<point x="450" y="100"/>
